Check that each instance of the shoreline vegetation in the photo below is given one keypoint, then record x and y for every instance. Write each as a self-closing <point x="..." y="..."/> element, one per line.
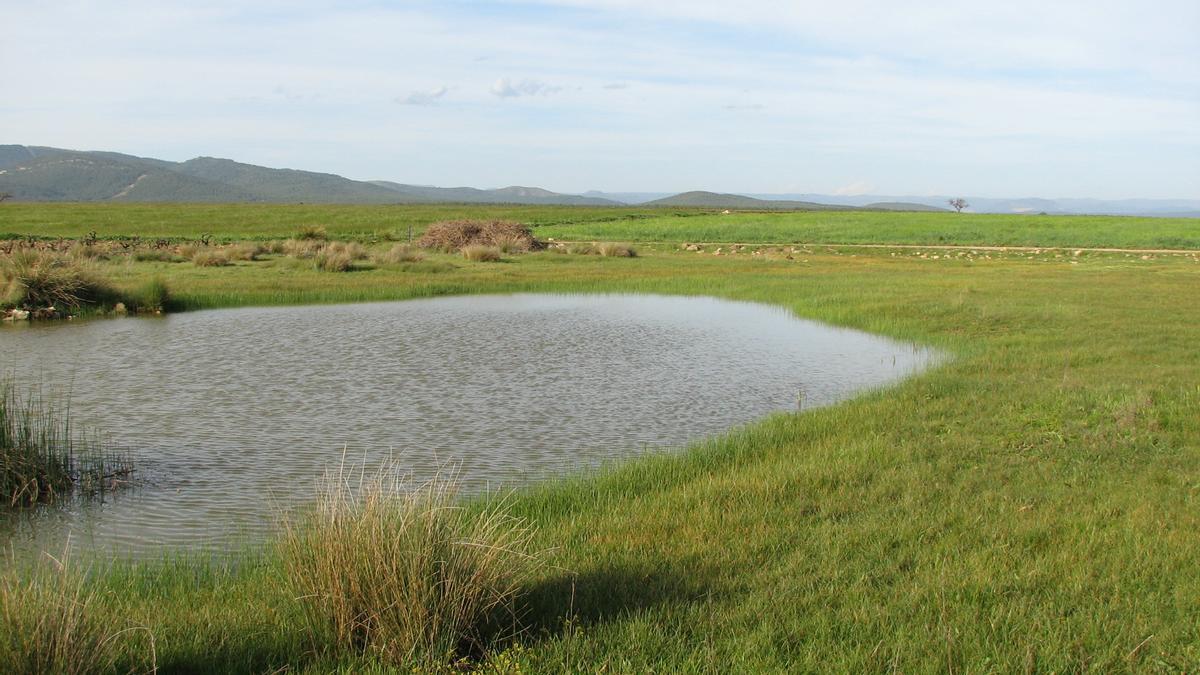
<point x="44" y="460"/>
<point x="1030" y="504"/>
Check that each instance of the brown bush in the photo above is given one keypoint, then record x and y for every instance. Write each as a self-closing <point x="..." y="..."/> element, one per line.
<point x="453" y="235"/>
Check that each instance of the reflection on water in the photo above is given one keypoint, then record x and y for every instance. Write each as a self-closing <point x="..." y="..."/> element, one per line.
<point x="231" y="415"/>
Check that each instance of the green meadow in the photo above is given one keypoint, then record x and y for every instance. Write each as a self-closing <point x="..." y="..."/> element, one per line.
<point x="1031" y="504"/>
<point x="231" y="222"/>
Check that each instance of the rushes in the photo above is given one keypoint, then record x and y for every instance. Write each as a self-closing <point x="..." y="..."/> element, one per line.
<point x="51" y="624"/>
<point x="40" y="459"/>
<point x="480" y="253"/>
<point x="402" y="253"/>
<point x="402" y="572"/>
<point x="610" y="249"/>
<point x="32" y="278"/>
<point x="210" y="257"/>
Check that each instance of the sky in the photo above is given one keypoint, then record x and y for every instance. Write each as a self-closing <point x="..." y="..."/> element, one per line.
<point x="994" y="99"/>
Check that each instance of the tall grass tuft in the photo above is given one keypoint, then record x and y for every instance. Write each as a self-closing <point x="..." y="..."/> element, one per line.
<point x="610" y="249"/>
<point x="40" y="458"/>
<point x="329" y="259"/>
<point x="301" y="248"/>
<point x="34" y="279"/>
<point x="401" y="253"/>
<point x="210" y="257"/>
<point x="480" y="253"/>
<point x="402" y="572"/>
<point x="152" y="296"/>
<point x="50" y="623"/>
<point x="312" y="232"/>
<point x="245" y="251"/>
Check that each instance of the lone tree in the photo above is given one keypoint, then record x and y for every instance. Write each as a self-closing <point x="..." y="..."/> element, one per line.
<point x="958" y="203"/>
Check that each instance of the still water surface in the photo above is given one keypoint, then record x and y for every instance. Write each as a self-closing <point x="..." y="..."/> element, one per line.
<point x="232" y="415"/>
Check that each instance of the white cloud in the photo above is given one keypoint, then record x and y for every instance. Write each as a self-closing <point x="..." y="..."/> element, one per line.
<point x="506" y="88"/>
<point x="427" y="97"/>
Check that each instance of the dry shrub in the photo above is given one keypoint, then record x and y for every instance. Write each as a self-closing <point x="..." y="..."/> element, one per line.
<point x="610" y="249"/>
<point x="453" y="235"/>
<point x="274" y="247"/>
<point x="401" y="253"/>
<point x="480" y="253"/>
<point x="210" y="257"/>
<point x="187" y="251"/>
<point x="581" y="249"/>
<point x="402" y="572"/>
<point x="35" y="279"/>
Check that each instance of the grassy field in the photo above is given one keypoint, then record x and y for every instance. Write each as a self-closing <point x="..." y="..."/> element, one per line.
<point x="264" y="221"/>
<point x="1033" y="504"/>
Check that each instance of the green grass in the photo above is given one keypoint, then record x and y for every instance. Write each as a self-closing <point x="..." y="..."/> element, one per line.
<point x="271" y="221"/>
<point x="1032" y="504"/>
<point x="274" y="221"/>
<point x="894" y="228"/>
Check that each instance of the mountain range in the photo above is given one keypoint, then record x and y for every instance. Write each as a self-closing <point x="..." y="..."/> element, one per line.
<point x="33" y="173"/>
<point x="37" y="173"/>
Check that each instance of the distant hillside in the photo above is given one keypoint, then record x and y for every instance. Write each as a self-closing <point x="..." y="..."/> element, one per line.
<point x="902" y="206"/>
<point x="286" y="185"/>
<point x="508" y="195"/>
<point x="33" y="173"/>
<point x="730" y="201"/>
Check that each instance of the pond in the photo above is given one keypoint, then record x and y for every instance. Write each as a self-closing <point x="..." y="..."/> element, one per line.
<point x="231" y="416"/>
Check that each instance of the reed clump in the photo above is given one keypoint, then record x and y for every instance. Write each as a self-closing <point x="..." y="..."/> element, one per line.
<point x="610" y="249"/>
<point x="481" y="253"/>
<point x="52" y="623"/>
<point x="454" y="235"/>
<point x="301" y="248"/>
<point x="312" y="233"/>
<point x="339" y="256"/>
<point x="151" y="296"/>
<point x="403" y="572"/>
<point x="245" y="251"/>
<point x="40" y="456"/>
<point x="34" y="279"/>
<point x="401" y="253"/>
<point x="211" y="257"/>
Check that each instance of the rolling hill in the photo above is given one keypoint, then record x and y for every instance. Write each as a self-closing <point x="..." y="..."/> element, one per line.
<point x="34" y="173"/>
<point x="508" y="195"/>
<point x="731" y="201"/>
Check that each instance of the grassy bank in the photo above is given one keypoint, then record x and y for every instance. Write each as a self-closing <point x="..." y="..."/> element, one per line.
<point x="1033" y="504"/>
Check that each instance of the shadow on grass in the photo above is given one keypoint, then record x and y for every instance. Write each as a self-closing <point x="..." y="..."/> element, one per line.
<point x="568" y="600"/>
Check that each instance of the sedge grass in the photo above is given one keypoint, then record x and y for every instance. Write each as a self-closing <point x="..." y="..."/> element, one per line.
<point x="403" y="573"/>
<point x="42" y="458"/>
<point x="51" y="624"/>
